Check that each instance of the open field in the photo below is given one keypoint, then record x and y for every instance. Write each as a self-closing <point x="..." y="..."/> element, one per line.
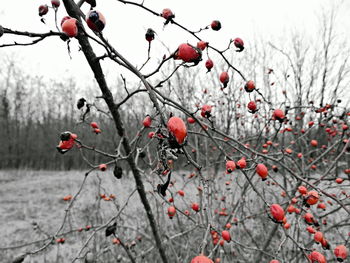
<point x="36" y="196"/>
<point x="29" y="197"/>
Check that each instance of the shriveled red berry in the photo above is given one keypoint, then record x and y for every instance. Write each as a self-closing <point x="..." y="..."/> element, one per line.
<point x="149" y="34"/>
<point x="43" y="10"/>
<point x="55" y="3"/>
<point x="206" y="111"/>
<point x="167" y="14"/>
<point x="67" y="142"/>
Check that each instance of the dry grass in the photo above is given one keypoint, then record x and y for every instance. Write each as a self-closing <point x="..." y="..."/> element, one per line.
<point x="36" y="196"/>
<point x="32" y="196"/>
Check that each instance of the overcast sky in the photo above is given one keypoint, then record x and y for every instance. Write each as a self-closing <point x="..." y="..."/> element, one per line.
<point x="126" y="26"/>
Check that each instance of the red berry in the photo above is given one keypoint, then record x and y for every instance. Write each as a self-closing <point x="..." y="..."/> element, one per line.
<point x="290" y="209"/>
<point x="317" y="257"/>
<point x="241" y="164"/>
<point x="171" y="212"/>
<point x="95" y="21"/>
<point x="339" y="180"/>
<point x="249" y="86"/>
<point x="94" y="125"/>
<point x="63" y="20"/>
<point x="177" y="129"/>
<point x="262" y="171"/>
<point x="216" y="25"/>
<point x="318" y="237"/>
<point x="226" y="235"/>
<point x="321" y="206"/>
<point x="302" y="189"/>
<point x="209" y="64"/>
<point x="202" y="45"/>
<point x="201" y="259"/>
<point x="188" y="53"/>
<point x="341" y="253"/>
<point x="309" y="218"/>
<point x="97" y="131"/>
<point x="312" y="197"/>
<point x="286" y="226"/>
<point x="147" y="122"/>
<point x="314" y="143"/>
<point x="230" y="166"/>
<point x="277" y="212"/>
<point x="191" y="120"/>
<point x="181" y="193"/>
<point x="102" y="167"/>
<point x="69" y="27"/>
<point x="278" y="114"/>
<point x="311" y="230"/>
<point x="224" y="77"/>
<point x="195" y="207"/>
<point x="252" y="106"/>
<point x="238" y="44"/>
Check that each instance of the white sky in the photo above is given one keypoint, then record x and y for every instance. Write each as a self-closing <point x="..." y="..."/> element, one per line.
<point x="126" y="26"/>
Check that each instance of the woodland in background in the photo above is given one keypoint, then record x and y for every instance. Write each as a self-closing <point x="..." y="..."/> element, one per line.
<point x="295" y="72"/>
